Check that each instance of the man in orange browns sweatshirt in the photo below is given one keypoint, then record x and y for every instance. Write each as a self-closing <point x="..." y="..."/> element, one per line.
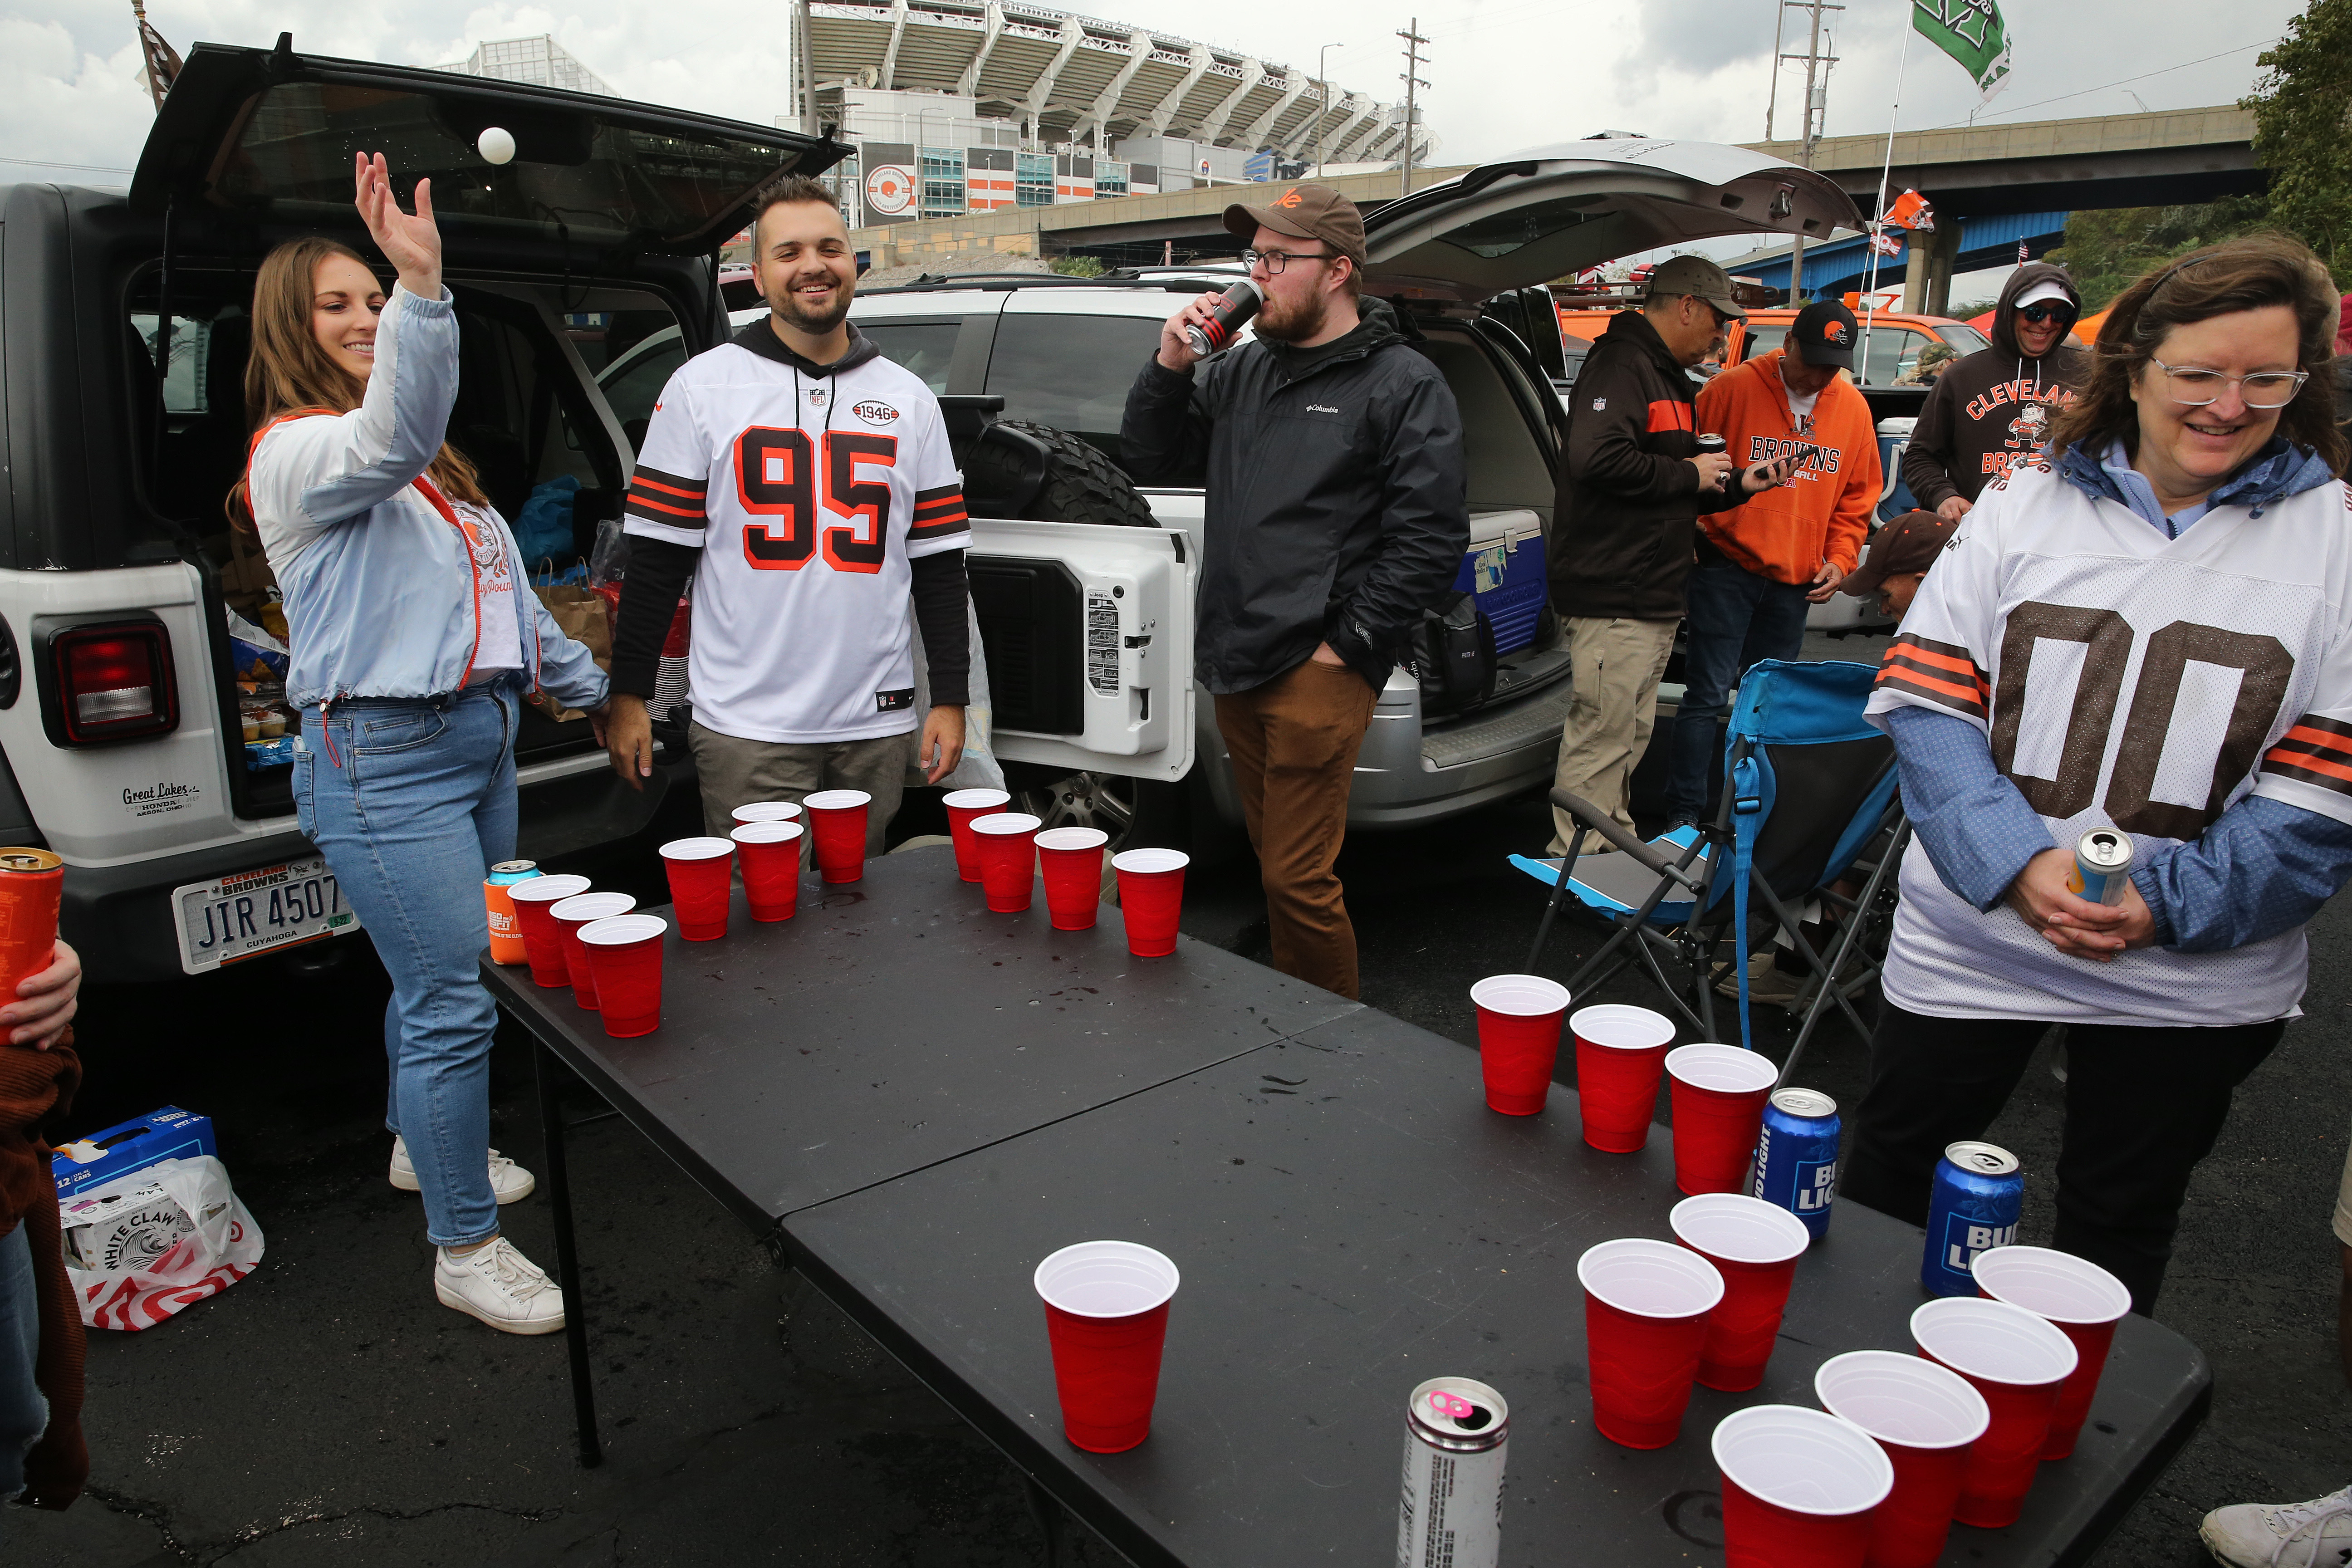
<point x="1763" y="562"/>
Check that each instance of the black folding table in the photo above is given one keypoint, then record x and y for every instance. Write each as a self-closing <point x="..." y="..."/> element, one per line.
<point x="1350" y="1220"/>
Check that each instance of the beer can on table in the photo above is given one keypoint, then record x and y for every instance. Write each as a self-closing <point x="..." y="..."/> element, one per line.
<point x="1456" y="1431"/>
<point x="2103" y="863"/>
<point x="1239" y="303"/>
<point x="30" y="883"/>
<point x="1972" y="1207"/>
<point x="1797" y="1157"/>
<point x="506" y="937"/>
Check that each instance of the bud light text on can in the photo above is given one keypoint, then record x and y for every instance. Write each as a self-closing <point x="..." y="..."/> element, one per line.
<point x="506" y="936"/>
<point x="1797" y="1157"/>
<point x="2103" y="863"/>
<point x="1239" y="303"/>
<point x="1457" y="1434"/>
<point x="1972" y="1207"/>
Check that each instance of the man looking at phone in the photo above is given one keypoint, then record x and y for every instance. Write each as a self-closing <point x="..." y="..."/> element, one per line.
<point x="1764" y="562"/>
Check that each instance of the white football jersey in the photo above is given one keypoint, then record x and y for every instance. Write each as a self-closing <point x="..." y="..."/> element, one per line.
<point x="807" y="496"/>
<point x="2124" y="679"/>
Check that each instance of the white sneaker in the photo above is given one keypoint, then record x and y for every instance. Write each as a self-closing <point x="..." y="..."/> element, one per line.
<point x="498" y="1284"/>
<point x="2314" y="1534"/>
<point x="508" y="1180"/>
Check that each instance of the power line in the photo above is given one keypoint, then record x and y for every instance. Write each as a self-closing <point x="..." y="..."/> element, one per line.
<point x="2143" y="75"/>
<point x="45" y="163"/>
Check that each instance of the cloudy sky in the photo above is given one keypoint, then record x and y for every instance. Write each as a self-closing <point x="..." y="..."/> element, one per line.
<point x="1504" y="74"/>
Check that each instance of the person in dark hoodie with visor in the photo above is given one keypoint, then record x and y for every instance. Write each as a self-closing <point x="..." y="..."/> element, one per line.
<point x="1337" y="513"/>
<point x="1997" y="405"/>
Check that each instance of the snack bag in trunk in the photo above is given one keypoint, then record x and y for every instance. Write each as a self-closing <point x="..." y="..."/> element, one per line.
<point x="144" y="1245"/>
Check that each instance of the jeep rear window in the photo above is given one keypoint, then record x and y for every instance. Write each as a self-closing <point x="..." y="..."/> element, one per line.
<point x="925" y="349"/>
<point x="575" y="173"/>
<point x="1072" y="373"/>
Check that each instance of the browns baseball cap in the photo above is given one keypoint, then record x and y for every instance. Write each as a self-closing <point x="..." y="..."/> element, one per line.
<point x="1304" y="212"/>
<point x="1910" y="543"/>
<point x="1698" y="277"/>
<point x="1824" y="333"/>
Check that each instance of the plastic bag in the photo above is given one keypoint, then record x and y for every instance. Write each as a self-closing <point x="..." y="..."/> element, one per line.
<point x="979" y="768"/>
<point x="256" y="655"/>
<point x="544" y="528"/>
<point x="608" y="561"/>
<point x="152" y="1242"/>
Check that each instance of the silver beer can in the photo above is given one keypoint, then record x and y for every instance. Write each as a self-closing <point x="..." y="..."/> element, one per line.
<point x="2103" y="863"/>
<point x="1456" y="1433"/>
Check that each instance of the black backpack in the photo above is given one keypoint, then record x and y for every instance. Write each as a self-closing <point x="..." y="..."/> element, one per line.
<point x="1451" y="654"/>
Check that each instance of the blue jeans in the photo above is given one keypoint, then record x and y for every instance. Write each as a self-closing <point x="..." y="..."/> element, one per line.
<point x="24" y="1413"/>
<point x="1735" y="619"/>
<point x="412" y="801"/>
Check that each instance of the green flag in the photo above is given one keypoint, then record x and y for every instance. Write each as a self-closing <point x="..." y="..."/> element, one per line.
<point x="1972" y="33"/>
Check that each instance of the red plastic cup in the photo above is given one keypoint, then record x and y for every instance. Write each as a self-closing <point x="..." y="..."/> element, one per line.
<point x="627" y="952"/>
<point x="1926" y="1417"/>
<point x="838" y="817"/>
<point x="1008" y="858"/>
<point x="1755" y="1247"/>
<point x="1645" y="1309"/>
<point x="1718" y="1100"/>
<point x="1150" y="897"/>
<point x="1800" y="1488"/>
<point x="570" y="915"/>
<point x="1071" y="859"/>
<point x="701" y="873"/>
<point x="2018" y="1362"/>
<point x="964" y="808"/>
<point x="770" y="854"/>
<point x="765" y="811"/>
<point x="541" y="942"/>
<point x="2082" y="1300"/>
<point x="1619" y="1051"/>
<point x="1518" y="1038"/>
<point x="1106" y="1318"/>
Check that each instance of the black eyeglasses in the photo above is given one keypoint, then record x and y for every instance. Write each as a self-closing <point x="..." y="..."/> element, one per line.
<point x="1275" y="260"/>
<point x="2047" y="311"/>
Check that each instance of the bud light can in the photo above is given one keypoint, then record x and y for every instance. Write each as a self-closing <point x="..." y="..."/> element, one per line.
<point x="2103" y="863"/>
<point x="1456" y="1433"/>
<point x="1239" y="303"/>
<point x="506" y="936"/>
<point x="1972" y="1208"/>
<point x="1797" y="1157"/>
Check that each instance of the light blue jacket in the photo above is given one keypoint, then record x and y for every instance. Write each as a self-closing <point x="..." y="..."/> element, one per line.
<point x="378" y="585"/>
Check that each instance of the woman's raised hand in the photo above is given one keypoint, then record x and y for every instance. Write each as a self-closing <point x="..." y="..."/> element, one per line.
<point x="413" y="244"/>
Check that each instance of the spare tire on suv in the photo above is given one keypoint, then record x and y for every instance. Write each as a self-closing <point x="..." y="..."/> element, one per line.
<point x="1020" y="469"/>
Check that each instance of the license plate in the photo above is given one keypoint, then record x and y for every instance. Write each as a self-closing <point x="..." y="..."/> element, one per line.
<point x="251" y="913"/>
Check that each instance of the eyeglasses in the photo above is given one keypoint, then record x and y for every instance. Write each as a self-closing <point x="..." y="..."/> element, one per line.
<point x="2045" y="310"/>
<point x="1274" y="261"/>
<point x="2263" y="389"/>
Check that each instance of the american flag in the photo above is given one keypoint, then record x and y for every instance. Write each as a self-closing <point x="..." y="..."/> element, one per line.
<point x="2023" y="255"/>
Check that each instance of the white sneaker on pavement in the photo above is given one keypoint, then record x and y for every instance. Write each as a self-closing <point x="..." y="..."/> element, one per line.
<point x="2314" y="1534"/>
<point x="496" y="1283"/>
<point x="508" y="1180"/>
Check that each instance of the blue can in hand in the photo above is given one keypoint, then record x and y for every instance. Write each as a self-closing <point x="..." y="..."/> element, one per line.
<point x="1797" y="1157"/>
<point x="1972" y="1207"/>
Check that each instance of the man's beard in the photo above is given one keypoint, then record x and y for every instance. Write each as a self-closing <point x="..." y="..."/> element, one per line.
<point x="1294" y="323"/>
<point x="797" y="316"/>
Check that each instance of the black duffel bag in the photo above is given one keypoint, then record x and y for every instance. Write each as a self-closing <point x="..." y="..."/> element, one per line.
<point x="1451" y="654"/>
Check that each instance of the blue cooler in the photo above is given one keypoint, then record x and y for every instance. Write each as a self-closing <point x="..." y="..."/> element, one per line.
<point x="1893" y="441"/>
<point x="1504" y="567"/>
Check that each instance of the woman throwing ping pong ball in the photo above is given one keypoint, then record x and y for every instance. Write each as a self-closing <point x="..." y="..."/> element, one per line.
<point x="412" y="644"/>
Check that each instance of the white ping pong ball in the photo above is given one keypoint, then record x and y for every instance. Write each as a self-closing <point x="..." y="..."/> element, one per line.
<point x="497" y="146"/>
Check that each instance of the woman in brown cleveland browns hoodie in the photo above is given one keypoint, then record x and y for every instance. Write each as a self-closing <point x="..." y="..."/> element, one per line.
<point x="1998" y="404"/>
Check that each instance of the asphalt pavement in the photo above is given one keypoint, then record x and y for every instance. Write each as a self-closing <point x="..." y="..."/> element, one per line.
<point x="327" y="1407"/>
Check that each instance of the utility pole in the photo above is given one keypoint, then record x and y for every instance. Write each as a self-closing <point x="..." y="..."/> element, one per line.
<point x="1816" y="106"/>
<point x="808" y="69"/>
<point x="1324" y="118"/>
<point x="1412" y="64"/>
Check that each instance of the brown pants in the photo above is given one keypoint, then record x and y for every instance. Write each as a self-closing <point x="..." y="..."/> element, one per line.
<point x="1294" y="742"/>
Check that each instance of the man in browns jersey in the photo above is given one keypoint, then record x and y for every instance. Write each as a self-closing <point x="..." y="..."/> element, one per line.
<point x="805" y="485"/>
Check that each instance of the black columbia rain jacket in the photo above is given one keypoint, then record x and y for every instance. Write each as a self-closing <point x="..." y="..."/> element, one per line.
<point x="1336" y="505"/>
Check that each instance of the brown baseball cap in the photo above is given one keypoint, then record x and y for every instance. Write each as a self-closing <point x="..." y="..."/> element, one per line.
<point x="1910" y="543"/>
<point x="1698" y="277"/>
<point x="1304" y="212"/>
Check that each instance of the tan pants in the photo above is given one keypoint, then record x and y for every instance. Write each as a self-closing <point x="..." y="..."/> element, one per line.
<point x="1616" y="665"/>
<point x="735" y="772"/>
<point x="1294" y="742"/>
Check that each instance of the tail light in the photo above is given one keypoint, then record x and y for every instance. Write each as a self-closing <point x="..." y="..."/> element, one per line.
<point x="110" y="682"/>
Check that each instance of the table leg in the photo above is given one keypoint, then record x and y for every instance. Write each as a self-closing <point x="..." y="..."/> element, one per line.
<point x="1050" y="1520"/>
<point x="567" y="1257"/>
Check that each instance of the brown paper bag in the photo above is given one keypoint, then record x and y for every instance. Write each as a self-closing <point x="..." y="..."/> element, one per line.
<point x="581" y="612"/>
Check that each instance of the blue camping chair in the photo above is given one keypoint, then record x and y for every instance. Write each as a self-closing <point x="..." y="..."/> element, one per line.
<point x="1809" y="798"/>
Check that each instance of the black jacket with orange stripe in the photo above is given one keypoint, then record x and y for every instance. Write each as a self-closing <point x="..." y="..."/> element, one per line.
<point x="1626" y="526"/>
